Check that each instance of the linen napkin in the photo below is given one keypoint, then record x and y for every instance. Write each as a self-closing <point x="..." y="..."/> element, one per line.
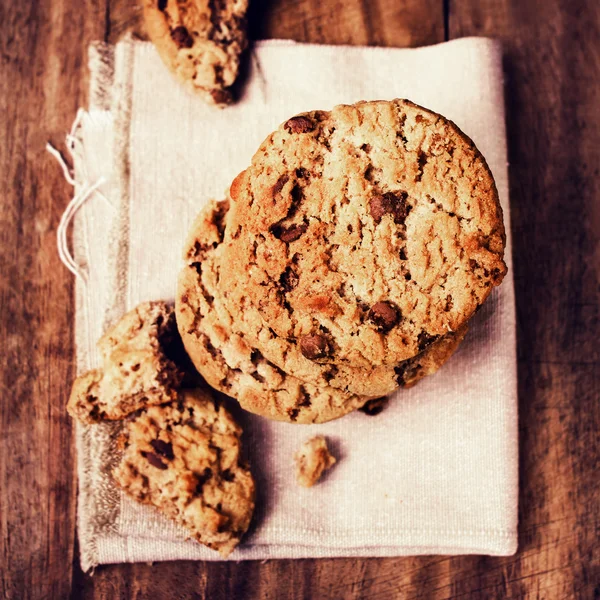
<point x="434" y="473"/>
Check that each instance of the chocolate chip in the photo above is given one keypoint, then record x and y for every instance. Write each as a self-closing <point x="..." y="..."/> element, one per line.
<point x="218" y="74"/>
<point x="221" y="96"/>
<point x="288" y="280"/>
<point x="154" y="460"/>
<point x="299" y="124"/>
<point x="280" y="183"/>
<point x="378" y="206"/>
<point x="374" y="407"/>
<point x="301" y="173"/>
<point x="390" y="203"/>
<point x="163" y="448"/>
<point x="304" y="398"/>
<point x="219" y="218"/>
<point x="197" y="266"/>
<point x="227" y="475"/>
<point x="197" y="250"/>
<point x="422" y="161"/>
<point x="181" y="36"/>
<point x="384" y="315"/>
<point x="449" y="303"/>
<point x="330" y="373"/>
<point x="315" y="346"/>
<point x="162" y="5"/>
<point x="291" y="233"/>
<point x="203" y="478"/>
<point x="497" y="275"/>
<point x="405" y="371"/>
<point x="256" y="375"/>
<point x="425" y="339"/>
<point x="296" y="197"/>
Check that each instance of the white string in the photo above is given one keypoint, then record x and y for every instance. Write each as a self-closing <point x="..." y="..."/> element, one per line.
<point x="67" y="173"/>
<point x="65" y="220"/>
<point x="61" y="161"/>
<point x="76" y="151"/>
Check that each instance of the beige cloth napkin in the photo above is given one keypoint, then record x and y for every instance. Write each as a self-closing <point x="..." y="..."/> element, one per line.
<point x="436" y="472"/>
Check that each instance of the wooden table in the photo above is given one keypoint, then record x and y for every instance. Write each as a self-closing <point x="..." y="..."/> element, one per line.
<point x="553" y="103"/>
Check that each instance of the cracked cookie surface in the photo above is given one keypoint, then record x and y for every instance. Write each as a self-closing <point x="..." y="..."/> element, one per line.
<point x="200" y="41"/>
<point x="364" y="234"/>
<point x="138" y="366"/>
<point x="184" y="459"/>
<point x="224" y="357"/>
<point x="230" y="363"/>
<point x="371" y="381"/>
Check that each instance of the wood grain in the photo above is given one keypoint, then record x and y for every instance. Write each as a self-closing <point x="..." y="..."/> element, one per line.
<point x="552" y="62"/>
<point x="42" y="52"/>
<point x="553" y="121"/>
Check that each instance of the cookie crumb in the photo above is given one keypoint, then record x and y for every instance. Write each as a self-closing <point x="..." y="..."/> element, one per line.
<point x="312" y="460"/>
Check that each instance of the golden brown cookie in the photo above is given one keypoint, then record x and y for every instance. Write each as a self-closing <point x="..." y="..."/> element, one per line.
<point x="229" y="362"/>
<point x="362" y="235"/>
<point x="184" y="459"/>
<point x="138" y="367"/>
<point x="200" y="41"/>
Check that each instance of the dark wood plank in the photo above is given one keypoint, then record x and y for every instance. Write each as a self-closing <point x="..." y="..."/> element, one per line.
<point x="552" y="65"/>
<point x="42" y="52"/>
<point x="358" y="22"/>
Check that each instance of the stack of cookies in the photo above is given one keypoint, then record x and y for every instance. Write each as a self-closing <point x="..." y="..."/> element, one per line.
<point x="345" y="263"/>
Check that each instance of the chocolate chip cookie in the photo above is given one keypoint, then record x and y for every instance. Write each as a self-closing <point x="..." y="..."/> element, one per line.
<point x="184" y="458"/>
<point x="200" y="41"/>
<point x="229" y="362"/>
<point x="138" y="367"/>
<point x="363" y="235"/>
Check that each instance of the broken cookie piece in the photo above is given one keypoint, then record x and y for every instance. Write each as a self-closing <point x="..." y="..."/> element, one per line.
<point x="137" y="370"/>
<point x="312" y="460"/>
<point x="184" y="459"/>
<point x="200" y="41"/>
